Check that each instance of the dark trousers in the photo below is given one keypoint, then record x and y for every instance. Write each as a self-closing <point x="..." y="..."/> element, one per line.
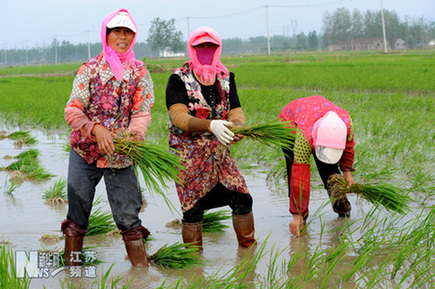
<point x="122" y="188"/>
<point x="325" y="170"/>
<point x="219" y="196"/>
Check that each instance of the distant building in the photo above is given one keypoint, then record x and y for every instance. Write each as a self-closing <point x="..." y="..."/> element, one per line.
<point x="358" y="45"/>
<point x="399" y="44"/>
<point x="167" y="52"/>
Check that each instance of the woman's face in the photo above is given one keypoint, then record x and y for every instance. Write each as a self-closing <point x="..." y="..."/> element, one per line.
<point x="120" y="39"/>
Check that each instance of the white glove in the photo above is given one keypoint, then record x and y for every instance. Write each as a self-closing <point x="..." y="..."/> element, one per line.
<point x="223" y="133"/>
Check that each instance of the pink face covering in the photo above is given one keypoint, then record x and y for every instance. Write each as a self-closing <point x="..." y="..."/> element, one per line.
<point x="205" y="55"/>
<point x="112" y="57"/>
<point x="209" y="66"/>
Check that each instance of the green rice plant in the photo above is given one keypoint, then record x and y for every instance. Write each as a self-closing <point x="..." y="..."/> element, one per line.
<point x="211" y="223"/>
<point x="275" y="133"/>
<point x="23" y="136"/>
<point x="156" y="162"/>
<point x="32" y="154"/>
<point x="56" y="193"/>
<point x="236" y="277"/>
<point x="28" y="164"/>
<point x="177" y="256"/>
<point x="100" y="222"/>
<point x="104" y="282"/>
<point x="388" y="196"/>
<point x="7" y="270"/>
<point x="10" y="188"/>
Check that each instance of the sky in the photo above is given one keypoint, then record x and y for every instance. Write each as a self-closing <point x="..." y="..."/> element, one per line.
<point x="30" y="23"/>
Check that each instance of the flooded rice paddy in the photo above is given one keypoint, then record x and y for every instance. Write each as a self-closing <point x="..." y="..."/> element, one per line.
<point x="25" y="218"/>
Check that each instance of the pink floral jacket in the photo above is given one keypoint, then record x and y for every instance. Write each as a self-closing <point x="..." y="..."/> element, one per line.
<point x="97" y="97"/>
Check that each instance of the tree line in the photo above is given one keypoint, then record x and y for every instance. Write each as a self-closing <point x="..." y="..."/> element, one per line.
<point x="339" y="26"/>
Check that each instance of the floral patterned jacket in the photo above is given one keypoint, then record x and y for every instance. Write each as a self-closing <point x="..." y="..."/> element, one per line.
<point x="98" y="98"/>
<point x="205" y="165"/>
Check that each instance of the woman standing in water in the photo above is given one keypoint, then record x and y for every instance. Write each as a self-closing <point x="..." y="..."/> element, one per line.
<point x="112" y="93"/>
<point x="202" y="100"/>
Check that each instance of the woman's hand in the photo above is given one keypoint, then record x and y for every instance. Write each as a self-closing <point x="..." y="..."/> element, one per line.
<point x="348" y="177"/>
<point x="296" y="225"/>
<point x="237" y="138"/>
<point x="104" y="139"/>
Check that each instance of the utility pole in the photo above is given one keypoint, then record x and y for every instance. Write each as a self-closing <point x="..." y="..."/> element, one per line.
<point x="268" y="37"/>
<point x="55" y="49"/>
<point x="27" y="54"/>
<point x="383" y="28"/>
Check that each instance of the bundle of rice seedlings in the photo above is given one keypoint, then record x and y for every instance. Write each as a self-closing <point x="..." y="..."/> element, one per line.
<point x="32" y="154"/>
<point x="156" y="162"/>
<point x="100" y="223"/>
<point x="23" y="136"/>
<point x="211" y="223"/>
<point x="178" y="256"/>
<point x="388" y="196"/>
<point x="28" y="165"/>
<point x="275" y="133"/>
<point x="56" y="194"/>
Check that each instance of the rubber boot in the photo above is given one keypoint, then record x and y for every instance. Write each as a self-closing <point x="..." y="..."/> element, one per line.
<point x="192" y="233"/>
<point x="73" y="250"/>
<point x="136" y="253"/>
<point x="245" y="230"/>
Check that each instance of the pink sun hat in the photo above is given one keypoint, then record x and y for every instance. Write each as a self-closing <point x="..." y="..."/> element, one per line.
<point x="329" y="138"/>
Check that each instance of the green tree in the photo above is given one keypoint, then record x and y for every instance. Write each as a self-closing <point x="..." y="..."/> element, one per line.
<point x="162" y="34"/>
<point x="301" y="41"/>
<point x="313" y="40"/>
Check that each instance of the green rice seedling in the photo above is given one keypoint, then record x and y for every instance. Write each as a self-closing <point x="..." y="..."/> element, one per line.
<point x="177" y="256"/>
<point x="10" y="188"/>
<point x="272" y="278"/>
<point x="275" y="133"/>
<point x="388" y="196"/>
<point x="104" y="282"/>
<point x="8" y="275"/>
<point x="23" y="136"/>
<point x="29" y="166"/>
<point x="156" y="162"/>
<point x="236" y="277"/>
<point x="56" y="194"/>
<point x="31" y="154"/>
<point x="211" y="222"/>
<point x="100" y="223"/>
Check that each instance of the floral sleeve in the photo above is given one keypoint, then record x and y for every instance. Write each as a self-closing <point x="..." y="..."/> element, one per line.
<point x="80" y="93"/>
<point x="143" y="99"/>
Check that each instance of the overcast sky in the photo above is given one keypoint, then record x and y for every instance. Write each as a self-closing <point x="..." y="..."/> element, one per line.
<point x="33" y="22"/>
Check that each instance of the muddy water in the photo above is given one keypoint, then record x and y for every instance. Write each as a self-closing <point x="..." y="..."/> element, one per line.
<point x="24" y="218"/>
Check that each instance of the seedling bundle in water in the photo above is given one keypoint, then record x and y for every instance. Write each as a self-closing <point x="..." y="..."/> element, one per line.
<point x="178" y="256"/>
<point x="388" y="196"/>
<point x="156" y="162"/>
<point x="212" y="221"/>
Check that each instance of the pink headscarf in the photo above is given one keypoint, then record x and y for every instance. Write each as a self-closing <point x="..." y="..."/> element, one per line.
<point x="112" y="57"/>
<point x="206" y="71"/>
